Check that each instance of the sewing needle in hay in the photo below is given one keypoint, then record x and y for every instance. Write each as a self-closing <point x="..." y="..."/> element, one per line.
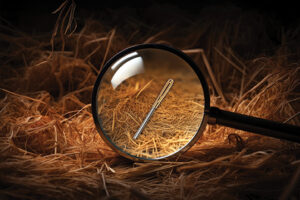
<point x="155" y="105"/>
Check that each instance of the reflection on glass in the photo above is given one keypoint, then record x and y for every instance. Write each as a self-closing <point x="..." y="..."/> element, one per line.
<point x="127" y="93"/>
<point x="127" y="67"/>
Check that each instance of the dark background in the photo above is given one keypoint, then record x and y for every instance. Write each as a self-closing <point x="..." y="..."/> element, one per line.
<point x="35" y="15"/>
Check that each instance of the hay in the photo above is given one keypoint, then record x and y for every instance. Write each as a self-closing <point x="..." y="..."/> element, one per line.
<point x="50" y="149"/>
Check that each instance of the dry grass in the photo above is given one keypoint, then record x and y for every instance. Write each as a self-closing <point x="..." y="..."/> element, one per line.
<point x="50" y="148"/>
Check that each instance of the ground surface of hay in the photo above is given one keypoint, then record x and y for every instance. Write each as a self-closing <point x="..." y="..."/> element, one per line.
<point x="50" y="148"/>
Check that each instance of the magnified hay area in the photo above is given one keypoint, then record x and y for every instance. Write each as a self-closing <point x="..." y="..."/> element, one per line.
<point x="172" y="126"/>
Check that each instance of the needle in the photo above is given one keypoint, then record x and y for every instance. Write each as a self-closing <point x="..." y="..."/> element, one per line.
<point x="155" y="105"/>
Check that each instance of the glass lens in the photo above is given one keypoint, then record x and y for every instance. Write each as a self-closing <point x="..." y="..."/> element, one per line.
<point x="150" y="103"/>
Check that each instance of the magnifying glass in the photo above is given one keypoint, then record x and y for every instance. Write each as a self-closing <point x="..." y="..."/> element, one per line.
<point x="151" y="102"/>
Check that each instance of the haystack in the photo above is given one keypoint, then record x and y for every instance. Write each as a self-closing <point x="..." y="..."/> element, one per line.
<point x="50" y="148"/>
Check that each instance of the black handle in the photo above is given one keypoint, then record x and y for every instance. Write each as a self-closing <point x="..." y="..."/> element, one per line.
<point x="254" y="124"/>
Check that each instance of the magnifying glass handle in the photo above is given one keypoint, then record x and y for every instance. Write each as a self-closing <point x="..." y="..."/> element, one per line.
<point x="254" y="124"/>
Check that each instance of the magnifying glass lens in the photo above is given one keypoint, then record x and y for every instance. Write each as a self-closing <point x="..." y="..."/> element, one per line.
<point x="150" y="103"/>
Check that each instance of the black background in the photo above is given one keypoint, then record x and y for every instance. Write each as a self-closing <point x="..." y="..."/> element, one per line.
<point x="35" y="15"/>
